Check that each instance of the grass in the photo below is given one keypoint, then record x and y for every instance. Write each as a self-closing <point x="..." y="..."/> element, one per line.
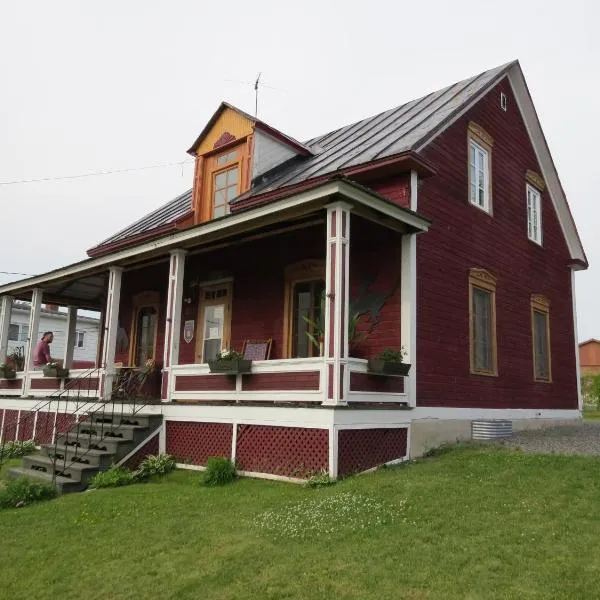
<point x="591" y="414"/>
<point x="471" y="522"/>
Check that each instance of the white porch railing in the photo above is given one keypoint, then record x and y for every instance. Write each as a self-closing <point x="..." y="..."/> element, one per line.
<point x="285" y="380"/>
<point x="360" y="386"/>
<point x="40" y="386"/>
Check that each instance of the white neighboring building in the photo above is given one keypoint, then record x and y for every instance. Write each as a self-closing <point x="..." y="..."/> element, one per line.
<point x="51" y="319"/>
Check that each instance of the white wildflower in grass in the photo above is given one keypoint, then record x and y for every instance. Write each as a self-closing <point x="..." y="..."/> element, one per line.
<point x="320" y="517"/>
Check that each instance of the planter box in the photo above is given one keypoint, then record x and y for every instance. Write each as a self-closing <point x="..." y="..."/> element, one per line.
<point x="57" y="372"/>
<point x="8" y="374"/>
<point x="230" y="367"/>
<point x="381" y="367"/>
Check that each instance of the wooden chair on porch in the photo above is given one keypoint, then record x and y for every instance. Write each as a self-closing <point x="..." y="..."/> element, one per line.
<point x="257" y="349"/>
<point x="129" y="381"/>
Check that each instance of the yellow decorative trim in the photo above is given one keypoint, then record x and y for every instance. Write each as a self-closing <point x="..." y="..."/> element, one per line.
<point x="482" y="278"/>
<point x="535" y="179"/>
<point x="479" y="132"/>
<point x="540" y="302"/>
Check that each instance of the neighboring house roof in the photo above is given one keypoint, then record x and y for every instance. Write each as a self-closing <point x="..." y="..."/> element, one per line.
<point x="407" y="128"/>
<point x="26" y="307"/>
<point x="591" y="340"/>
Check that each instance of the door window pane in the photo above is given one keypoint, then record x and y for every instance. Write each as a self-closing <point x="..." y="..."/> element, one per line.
<point x="13" y="332"/>
<point x="482" y="329"/>
<point x="214" y="319"/>
<point x="146" y="334"/>
<point x="307" y="318"/>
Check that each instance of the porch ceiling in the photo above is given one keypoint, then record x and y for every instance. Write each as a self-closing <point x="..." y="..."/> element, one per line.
<point x="83" y="284"/>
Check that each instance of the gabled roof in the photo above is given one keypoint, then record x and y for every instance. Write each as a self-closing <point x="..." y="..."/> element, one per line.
<point x="406" y="129"/>
<point x="282" y="137"/>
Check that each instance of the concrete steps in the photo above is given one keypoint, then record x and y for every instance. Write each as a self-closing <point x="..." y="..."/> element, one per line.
<point x="86" y="448"/>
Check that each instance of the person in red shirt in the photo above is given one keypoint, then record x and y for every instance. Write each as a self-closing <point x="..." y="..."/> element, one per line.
<point x="41" y="352"/>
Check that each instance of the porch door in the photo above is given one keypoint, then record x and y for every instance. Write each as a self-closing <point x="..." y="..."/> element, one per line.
<point x="214" y="321"/>
<point x="307" y="317"/>
<point x="146" y="334"/>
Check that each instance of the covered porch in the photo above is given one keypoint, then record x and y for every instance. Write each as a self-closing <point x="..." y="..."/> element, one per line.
<point x="325" y="277"/>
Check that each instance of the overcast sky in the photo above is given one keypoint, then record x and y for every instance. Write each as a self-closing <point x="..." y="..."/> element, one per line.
<point x="103" y="86"/>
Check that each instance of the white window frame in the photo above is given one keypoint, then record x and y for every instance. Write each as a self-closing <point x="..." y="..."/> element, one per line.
<point x="533" y="198"/>
<point x="486" y="207"/>
<point x="78" y="335"/>
<point x="22" y="332"/>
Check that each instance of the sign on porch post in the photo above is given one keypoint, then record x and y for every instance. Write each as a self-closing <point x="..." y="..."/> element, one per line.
<point x="337" y="301"/>
<point x="188" y="331"/>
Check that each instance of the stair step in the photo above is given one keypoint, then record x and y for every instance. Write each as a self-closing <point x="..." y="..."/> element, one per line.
<point x="118" y="418"/>
<point x="117" y="446"/>
<point x="106" y="430"/>
<point x="63" y="484"/>
<point x="72" y="470"/>
<point x="99" y="458"/>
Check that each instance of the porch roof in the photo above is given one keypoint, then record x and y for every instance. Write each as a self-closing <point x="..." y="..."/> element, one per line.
<point x="83" y="283"/>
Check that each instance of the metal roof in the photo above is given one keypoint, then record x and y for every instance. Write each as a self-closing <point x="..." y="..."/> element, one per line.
<point x="386" y="134"/>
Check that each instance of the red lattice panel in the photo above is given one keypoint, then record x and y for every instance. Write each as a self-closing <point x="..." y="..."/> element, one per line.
<point x="50" y="383"/>
<point x="362" y="449"/>
<point x="194" y="443"/>
<point x="150" y="447"/>
<point x="204" y="383"/>
<point x="10" y="425"/>
<point x="44" y="427"/>
<point x="363" y="382"/>
<point x="26" y="420"/>
<point x="287" y="451"/>
<point x="10" y="384"/>
<point x="64" y="422"/>
<point x="281" y="381"/>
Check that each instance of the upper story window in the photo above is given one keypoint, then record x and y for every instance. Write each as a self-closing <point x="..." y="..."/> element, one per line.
<point x="18" y="332"/>
<point x="480" y="168"/>
<point x="79" y="339"/>
<point x="534" y="214"/>
<point x="225" y="182"/>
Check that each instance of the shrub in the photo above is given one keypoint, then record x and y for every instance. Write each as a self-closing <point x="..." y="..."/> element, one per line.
<point x="155" y="466"/>
<point x="16" y="449"/>
<point x="321" y="479"/>
<point x="23" y="491"/>
<point x="219" y="471"/>
<point x="113" y="477"/>
<point x="392" y="356"/>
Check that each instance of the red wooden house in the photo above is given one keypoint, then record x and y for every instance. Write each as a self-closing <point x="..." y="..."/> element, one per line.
<point x="439" y="227"/>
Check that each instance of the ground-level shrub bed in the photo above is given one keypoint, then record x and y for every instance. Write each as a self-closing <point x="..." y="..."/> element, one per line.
<point x="471" y="523"/>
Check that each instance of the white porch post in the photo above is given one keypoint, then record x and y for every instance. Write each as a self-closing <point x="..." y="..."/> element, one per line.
<point x="173" y="320"/>
<point x="5" y="314"/>
<point x="337" y="288"/>
<point x="70" y="337"/>
<point x="34" y="325"/>
<point x="111" y="318"/>
<point x="408" y="295"/>
<point x="576" y="338"/>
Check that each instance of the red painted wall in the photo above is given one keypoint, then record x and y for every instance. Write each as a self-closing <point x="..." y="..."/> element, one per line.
<point x="462" y="237"/>
<point x="396" y="189"/>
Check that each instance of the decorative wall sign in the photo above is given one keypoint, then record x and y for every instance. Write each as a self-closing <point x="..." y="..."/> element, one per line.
<point x="188" y="331"/>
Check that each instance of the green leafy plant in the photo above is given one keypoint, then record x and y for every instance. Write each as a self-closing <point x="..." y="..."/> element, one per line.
<point x="219" y="471"/>
<point x="392" y="356"/>
<point x="320" y="479"/>
<point x="17" y="358"/>
<point x="594" y="390"/>
<point x="229" y="355"/>
<point x="23" y="491"/>
<point x="113" y="477"/>
<point x="155" y="466"/>
<point x="16" y="449"/>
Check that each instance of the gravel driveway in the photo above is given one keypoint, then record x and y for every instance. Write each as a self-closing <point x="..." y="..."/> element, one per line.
<point x="572" y="439"/>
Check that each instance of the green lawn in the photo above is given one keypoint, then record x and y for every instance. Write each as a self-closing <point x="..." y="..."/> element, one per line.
<point x="473" y="522"/>
<point x="589" y="414"/>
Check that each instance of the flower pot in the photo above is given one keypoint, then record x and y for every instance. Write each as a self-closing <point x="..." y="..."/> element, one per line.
<point x="57" y="372"/>
<point x="8" y="374"/>
<point x="230" y="367"/>
<point x="382" y="367"/>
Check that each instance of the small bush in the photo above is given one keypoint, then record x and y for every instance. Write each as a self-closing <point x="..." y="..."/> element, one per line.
<point x="155" y="466"/>
<point x="16" y="449"/>
<point x="321" y="479"/>
<point x="113" y="477"/>
<point x="219" y="471"/>
<point x="23" y="491"/>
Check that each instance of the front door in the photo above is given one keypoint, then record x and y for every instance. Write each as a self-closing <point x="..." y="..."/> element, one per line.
<point x="214" y="320"/>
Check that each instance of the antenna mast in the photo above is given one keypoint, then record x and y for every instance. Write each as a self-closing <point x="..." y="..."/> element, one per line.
<point x="256" y="95"/>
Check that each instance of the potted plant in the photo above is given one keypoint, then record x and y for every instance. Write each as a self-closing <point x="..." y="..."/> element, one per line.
<point x="7" y="371"/>
<point x="229" y="362"/>
<point x="54" y="369"/>
<point x="16" y="359"/>
<point x="389" y="362"/>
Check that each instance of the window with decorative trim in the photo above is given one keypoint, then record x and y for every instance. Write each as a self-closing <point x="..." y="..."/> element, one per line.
<point x="225" y="182"/>
<point x="18" y="332"/>
<point x="482" y="319"/>
<point x="480" y="167"/>
<point x="540" y="333"/>
<point x="144" y="328"/>
<point x="214" y="320"/>
<point x="303" y="309"/>
<point x="534" y="214"/>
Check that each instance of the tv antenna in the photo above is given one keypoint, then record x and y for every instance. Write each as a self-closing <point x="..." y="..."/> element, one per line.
<point x="256" y="95"/>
